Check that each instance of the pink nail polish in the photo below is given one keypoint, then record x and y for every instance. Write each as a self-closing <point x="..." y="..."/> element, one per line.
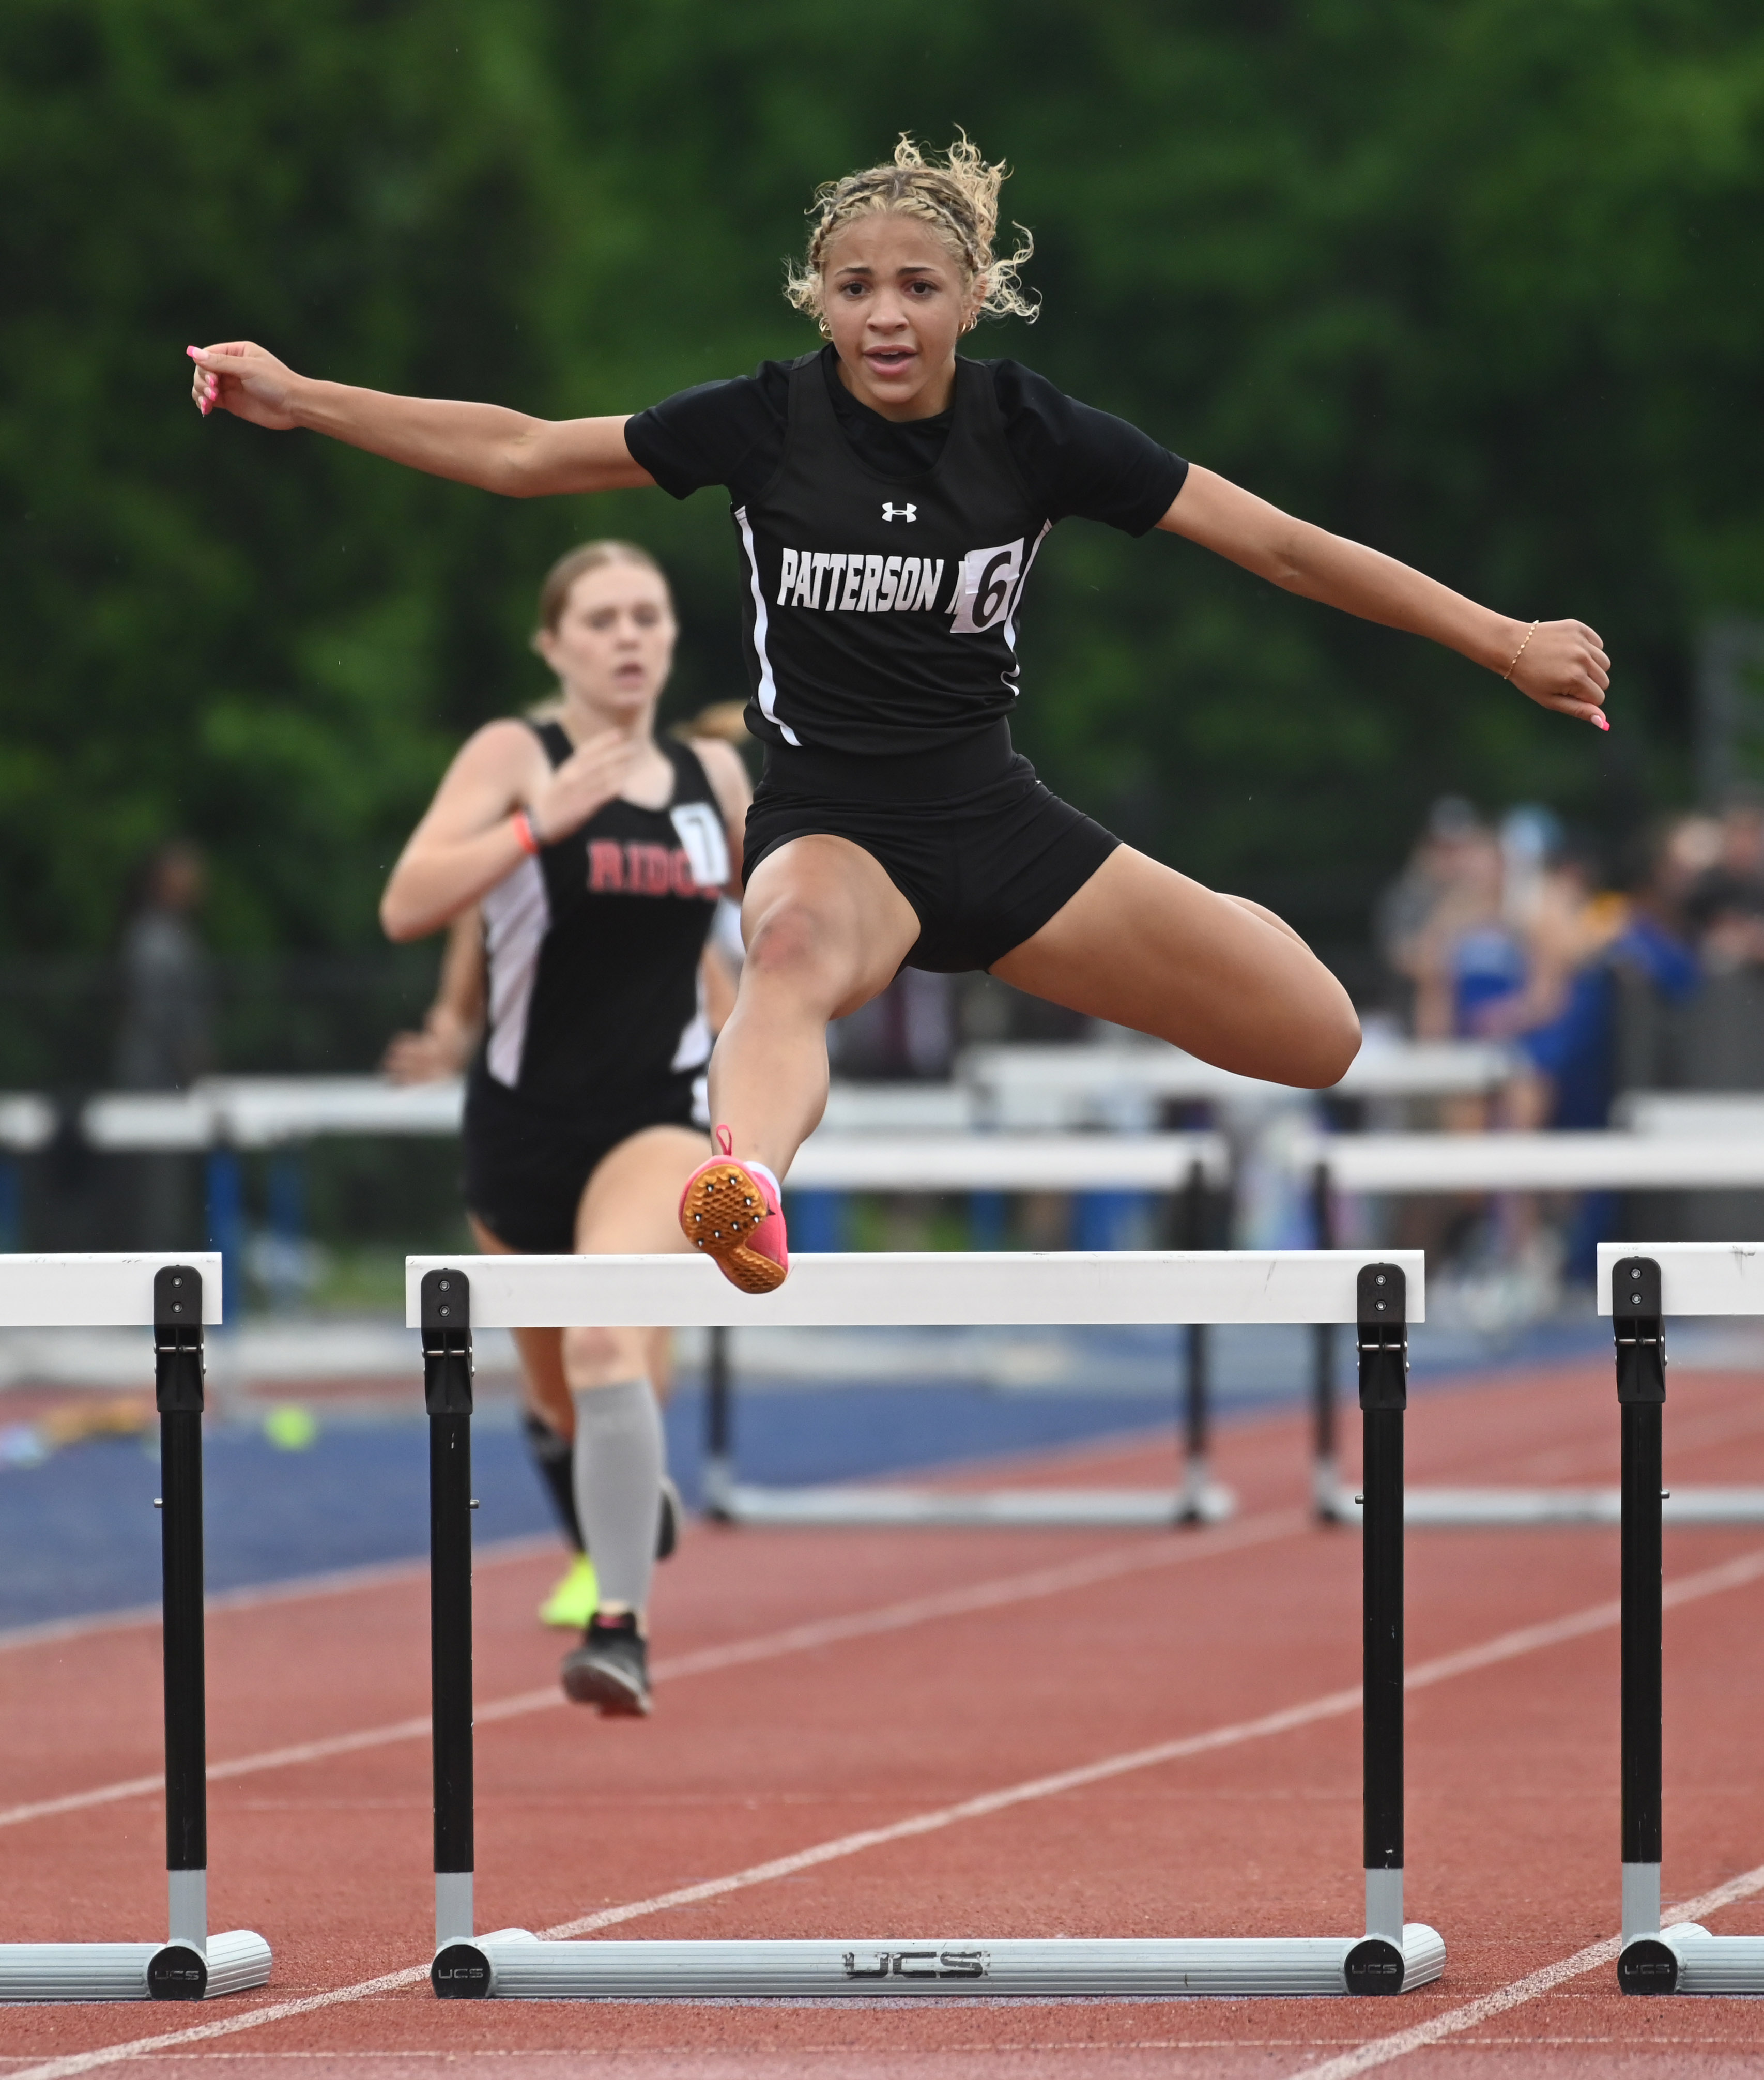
<point x="192" y="352"/>
<point x="1599" y="722"/>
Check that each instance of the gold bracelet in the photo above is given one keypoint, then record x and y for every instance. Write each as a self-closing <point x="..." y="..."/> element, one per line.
<point x="1519" y="652"/>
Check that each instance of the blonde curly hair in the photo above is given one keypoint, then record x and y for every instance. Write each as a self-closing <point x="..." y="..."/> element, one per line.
<point x="957" y="200"/>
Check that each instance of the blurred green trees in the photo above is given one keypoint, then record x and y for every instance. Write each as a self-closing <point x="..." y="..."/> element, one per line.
<point x="1473" y="280"/>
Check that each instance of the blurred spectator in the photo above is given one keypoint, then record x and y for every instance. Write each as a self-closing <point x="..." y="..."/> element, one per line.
<point x="1726" y="901"/>
<point x="1408" y="906"/>
<point x="165" y="1039"/>
<point x="1680" y="857"/>
<point x="1516" y="938"/>
<point x="1467" y="962"/>
<point x="1595" y="945"/>
<point x="1603" y="962"/>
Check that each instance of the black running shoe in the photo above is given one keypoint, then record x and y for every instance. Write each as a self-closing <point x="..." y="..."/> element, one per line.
<point x="610" y="1669"/>
<point x="667" y="1530"/>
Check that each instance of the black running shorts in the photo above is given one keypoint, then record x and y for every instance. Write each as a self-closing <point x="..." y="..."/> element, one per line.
<point x="981" y="850"/>
<point x="527" y="1165"/>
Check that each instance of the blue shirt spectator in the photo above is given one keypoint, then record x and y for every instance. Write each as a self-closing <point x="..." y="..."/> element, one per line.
<point x="1489" y="969"/>
<point x="1578" y="1049"/>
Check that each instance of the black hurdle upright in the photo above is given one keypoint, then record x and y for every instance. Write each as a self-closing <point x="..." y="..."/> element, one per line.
<point x="719" y="1432"/>
<point x="190" y="1964"/>
<point x="1639" y="1328"/>
<point x="445" y="1302"/>
<point x="1330" y="1504"/>
<point x="1685" y="1958"/>
<point x="1197" y="1502"/>
<point x="177" y="1390"/>
<point x="1382" y="1338"/>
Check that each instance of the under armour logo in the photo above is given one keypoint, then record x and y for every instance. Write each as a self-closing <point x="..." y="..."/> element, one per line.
<point x="892" y="512"/>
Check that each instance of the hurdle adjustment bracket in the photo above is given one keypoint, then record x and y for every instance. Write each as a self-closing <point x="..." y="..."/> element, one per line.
<point x="446" y="1343"/>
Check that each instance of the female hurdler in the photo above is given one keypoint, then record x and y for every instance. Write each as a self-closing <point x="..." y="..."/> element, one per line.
<point x="888" y="500"/>
<point x="596" y="854"/>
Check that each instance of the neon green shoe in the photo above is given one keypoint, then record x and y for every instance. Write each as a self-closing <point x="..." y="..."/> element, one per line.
<point x="575" y="1599"/>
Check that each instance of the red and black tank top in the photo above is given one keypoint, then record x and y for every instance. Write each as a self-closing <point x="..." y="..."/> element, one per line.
<point x="881" y="612"/>
<point x="593" y="948"/>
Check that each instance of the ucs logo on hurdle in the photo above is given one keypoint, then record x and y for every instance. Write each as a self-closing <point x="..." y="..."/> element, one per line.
<point x="460" y="1973"/>
<point x="177" y="1973"/>
<point x="917" y="1964"/>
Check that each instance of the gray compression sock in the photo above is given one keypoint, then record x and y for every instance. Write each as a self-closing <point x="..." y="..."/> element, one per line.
<point x="618" y="1462"/>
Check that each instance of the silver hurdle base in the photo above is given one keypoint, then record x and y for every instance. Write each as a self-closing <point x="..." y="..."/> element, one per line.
<point x="1518" y="1509"/>
<point x="1685" y="1958"/>
<point x="514" y="1965"/>
<point x="1198" y="1501"/>
<point x="177" y="1971"/>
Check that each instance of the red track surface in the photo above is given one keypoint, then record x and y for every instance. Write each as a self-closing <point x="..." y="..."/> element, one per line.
<point x="815" y="1685"/>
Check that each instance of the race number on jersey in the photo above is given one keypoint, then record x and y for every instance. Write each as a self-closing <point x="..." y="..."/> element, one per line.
<point x="706" y="843"/>
<point x="985" y="584"/>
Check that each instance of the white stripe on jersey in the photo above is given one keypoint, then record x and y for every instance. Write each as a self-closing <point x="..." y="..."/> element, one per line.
<point x="693" y="1051"/>
<point x="1010" y="625"/>
<point x="769" y="690"/>
<point x="516" y="917"/>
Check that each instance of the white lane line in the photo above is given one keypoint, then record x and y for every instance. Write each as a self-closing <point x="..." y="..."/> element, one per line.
<point x="1107" y="1566"/>
<point x="1386" y="2050"/>
<point x="114" y="2054"/>
<point x="1381" y="2050"/>
<point x="1506" y="1646"/>
<point x="336" y="1582"/>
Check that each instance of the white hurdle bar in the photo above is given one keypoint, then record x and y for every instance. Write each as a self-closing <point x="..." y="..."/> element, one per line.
<point x="1639" y="1285"/>
<point x="1422" y="1164"/>
<point x="448" y="1299"/>
<point x="175" y="1297"/>
<point x="1187" y="1165"/>
<point x="268" y="1112"/>
<point x="1041" y="1083"/>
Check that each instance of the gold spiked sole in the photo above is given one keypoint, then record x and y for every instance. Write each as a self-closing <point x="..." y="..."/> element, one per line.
<point x="724" y="1205"/>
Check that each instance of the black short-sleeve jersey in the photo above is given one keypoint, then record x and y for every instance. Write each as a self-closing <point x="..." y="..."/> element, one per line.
<point x="884" y="562"/>
<point x="1086" y="464"/>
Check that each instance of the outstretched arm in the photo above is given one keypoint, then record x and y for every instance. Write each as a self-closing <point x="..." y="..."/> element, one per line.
<point x="1560" y="664"/>
<point x="495" y="449"/>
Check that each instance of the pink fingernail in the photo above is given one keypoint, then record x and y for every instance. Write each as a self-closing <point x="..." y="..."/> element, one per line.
<point x="1600" y="723"/>
<point x="205" y="406"/>
<point x="193" y="352"/>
